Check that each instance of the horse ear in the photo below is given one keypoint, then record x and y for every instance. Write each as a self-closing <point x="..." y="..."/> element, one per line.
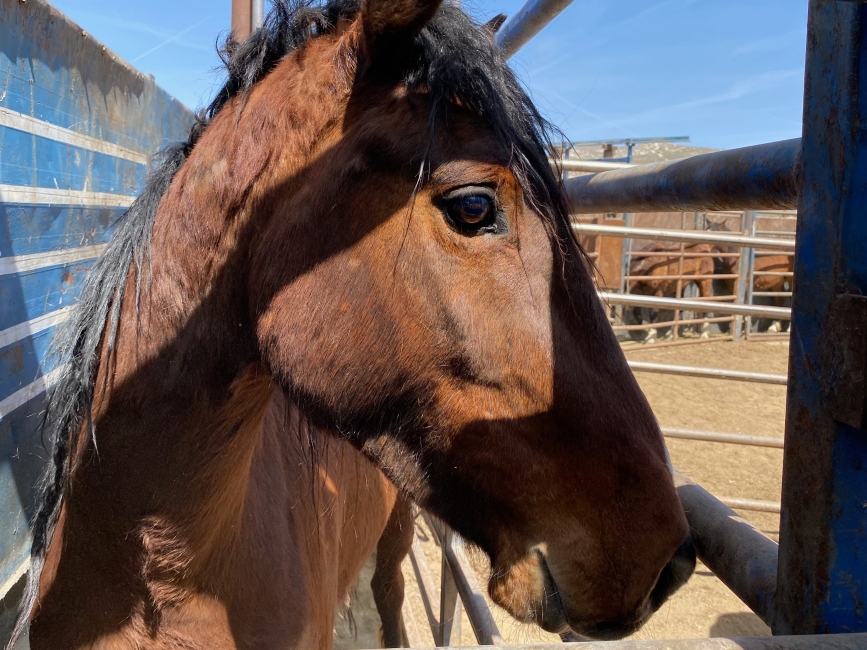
<point x="387" y="22"/>
<point x="494" y="24"/>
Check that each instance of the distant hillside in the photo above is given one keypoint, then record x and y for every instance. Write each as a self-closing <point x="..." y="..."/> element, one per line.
<point x="643" y="153"/>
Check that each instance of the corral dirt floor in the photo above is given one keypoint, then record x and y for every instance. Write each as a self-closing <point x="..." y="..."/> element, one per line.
<point x="704" y="607"/>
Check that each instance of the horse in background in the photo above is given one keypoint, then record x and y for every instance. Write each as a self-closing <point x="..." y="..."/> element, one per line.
<point x="762" y="264"/>
<point x="355" y="285"/>
<point x="669" y="264"/>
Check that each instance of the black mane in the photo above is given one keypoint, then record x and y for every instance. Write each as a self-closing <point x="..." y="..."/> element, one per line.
<point x="452" y="58"/>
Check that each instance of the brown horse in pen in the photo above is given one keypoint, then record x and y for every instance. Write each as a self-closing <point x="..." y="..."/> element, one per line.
<point x="668" y="263"/>
<point x="359" y="266"/>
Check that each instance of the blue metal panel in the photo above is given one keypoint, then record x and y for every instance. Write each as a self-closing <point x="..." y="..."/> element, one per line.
<point x="28" y="295"/>
<point x="31" y="229"/>
<point x="39" y="162"/>
<point x="822" y="579"/>
<point x="24" y="361"/>
<point x="52" y="71"/>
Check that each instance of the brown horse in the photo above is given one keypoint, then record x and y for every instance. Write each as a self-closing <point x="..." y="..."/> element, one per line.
<point x="361" y="259"/>
<point x="669" y="265"/>
<point x="767" y="264"/>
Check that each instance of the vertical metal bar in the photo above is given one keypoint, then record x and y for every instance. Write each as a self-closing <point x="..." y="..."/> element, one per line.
<point x="747" y="219"/>
<point x="679" y="289"/>
<point x="257" y="14"/>
<point x="241" y="18"/>
<point x="751" y="274"/>
<point x="427" y="587"/>
<point x="822" y="578"/>
<point x="449" y="611"/>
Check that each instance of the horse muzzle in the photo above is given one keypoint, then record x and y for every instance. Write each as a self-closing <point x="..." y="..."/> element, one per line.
<point x="554" y="611"/>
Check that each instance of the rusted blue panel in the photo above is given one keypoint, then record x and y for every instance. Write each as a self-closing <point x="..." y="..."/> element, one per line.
<point x="822" y="578"/>
<point x="77" y="125"/>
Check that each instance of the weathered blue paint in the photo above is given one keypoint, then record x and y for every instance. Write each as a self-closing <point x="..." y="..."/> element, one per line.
<point x="24" y="457"/>
<point x="51" y="70"/>
<point x="31" y="229"/>
<point x="39" y="162"/>
<point x="23" y="361"/>
<point x="28" y="295"/>
<point x="822" y="579"/>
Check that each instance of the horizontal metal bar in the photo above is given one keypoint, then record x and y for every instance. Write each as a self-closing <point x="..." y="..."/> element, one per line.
<point x="771" y="294"/>
<point x="527" y="22"/>
<point x="31" y="390"/>
<point x="686" y="236"/>
<point x="51" y="196"/>
<point x="688" y="278"/>
<point x="714" y="436"/>
<point x="36" y="261"/>
<point x="740" y="555"/>
<point x="780" y="274"/>
<point x="593" y="166"/>
<point x="806" y="642"/>
<point x="34" y="326"/>
<point x="677" y="254"/>
<point x="751" y="504"/>
<point x="21" y="122"/>
<point x="774" y="253"/>
<point x="16" y="575"/>
<point x="750" y="178"/>
<point x="696" y="305"/>
<point x="669" y="323"/>
<point x="712" y="373"/>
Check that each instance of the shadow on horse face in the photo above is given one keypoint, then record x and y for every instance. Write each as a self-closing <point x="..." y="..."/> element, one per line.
<point x="478" y="371"/>
<point x="474" y="366"/>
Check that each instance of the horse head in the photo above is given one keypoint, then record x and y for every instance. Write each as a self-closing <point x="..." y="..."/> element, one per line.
<point x="416" y="288"/>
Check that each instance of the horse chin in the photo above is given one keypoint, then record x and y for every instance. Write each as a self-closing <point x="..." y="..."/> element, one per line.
<point x="529" y="592"/>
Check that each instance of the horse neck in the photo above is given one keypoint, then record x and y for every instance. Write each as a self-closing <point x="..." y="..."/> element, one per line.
<point x="243" y="514"/>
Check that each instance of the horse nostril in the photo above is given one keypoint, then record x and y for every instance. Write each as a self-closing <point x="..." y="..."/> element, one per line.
<point x="675" y="574"/>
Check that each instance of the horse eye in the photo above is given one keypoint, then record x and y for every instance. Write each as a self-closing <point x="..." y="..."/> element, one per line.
<point x="472" y="212"/>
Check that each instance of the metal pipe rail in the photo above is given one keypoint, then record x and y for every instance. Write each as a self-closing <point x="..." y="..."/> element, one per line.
<point x="750" y="178"/>
<point x="711" y="373"/>
<point x="484" y="627"/>
<point x="701" y="237"/>
<point x="807" y="642"/>
<point x="715" y="436"/>
<point x="704" y="306"/>
<point x="527" y="22"/>
<point x="737" y="552"/>
<point x="591" y="166"/>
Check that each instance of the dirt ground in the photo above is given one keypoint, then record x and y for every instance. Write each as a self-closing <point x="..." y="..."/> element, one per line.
<point x="704" y="607"/>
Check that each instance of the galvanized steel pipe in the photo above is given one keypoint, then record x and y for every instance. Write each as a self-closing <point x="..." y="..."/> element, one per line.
<point x="712" y="373"/>
<point x="593" y="166"/>
<point x="528" y="22"/>
<point x="703" y="306"/>
<point x="715" y="436"/>
<point x="740" y="555"/>
<point x="762" y="177"/>
<point x="810" y="642"/>
<point x="686" y="236"/>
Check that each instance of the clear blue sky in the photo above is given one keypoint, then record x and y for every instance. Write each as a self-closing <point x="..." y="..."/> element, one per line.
<point x="727" y="74"/>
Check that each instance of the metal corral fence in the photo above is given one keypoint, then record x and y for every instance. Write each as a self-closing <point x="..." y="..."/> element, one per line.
<point x="812" y="587"/>
<point x="724" y="257"/>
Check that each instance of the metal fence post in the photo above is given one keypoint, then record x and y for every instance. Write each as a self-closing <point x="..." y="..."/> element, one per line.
<point x="822" y="578"/>
<point x="749" y="216"/>
<point x="450" y="610"/>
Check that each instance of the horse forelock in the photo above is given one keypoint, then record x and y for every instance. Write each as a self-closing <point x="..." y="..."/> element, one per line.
<point x="451" y="60"/>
